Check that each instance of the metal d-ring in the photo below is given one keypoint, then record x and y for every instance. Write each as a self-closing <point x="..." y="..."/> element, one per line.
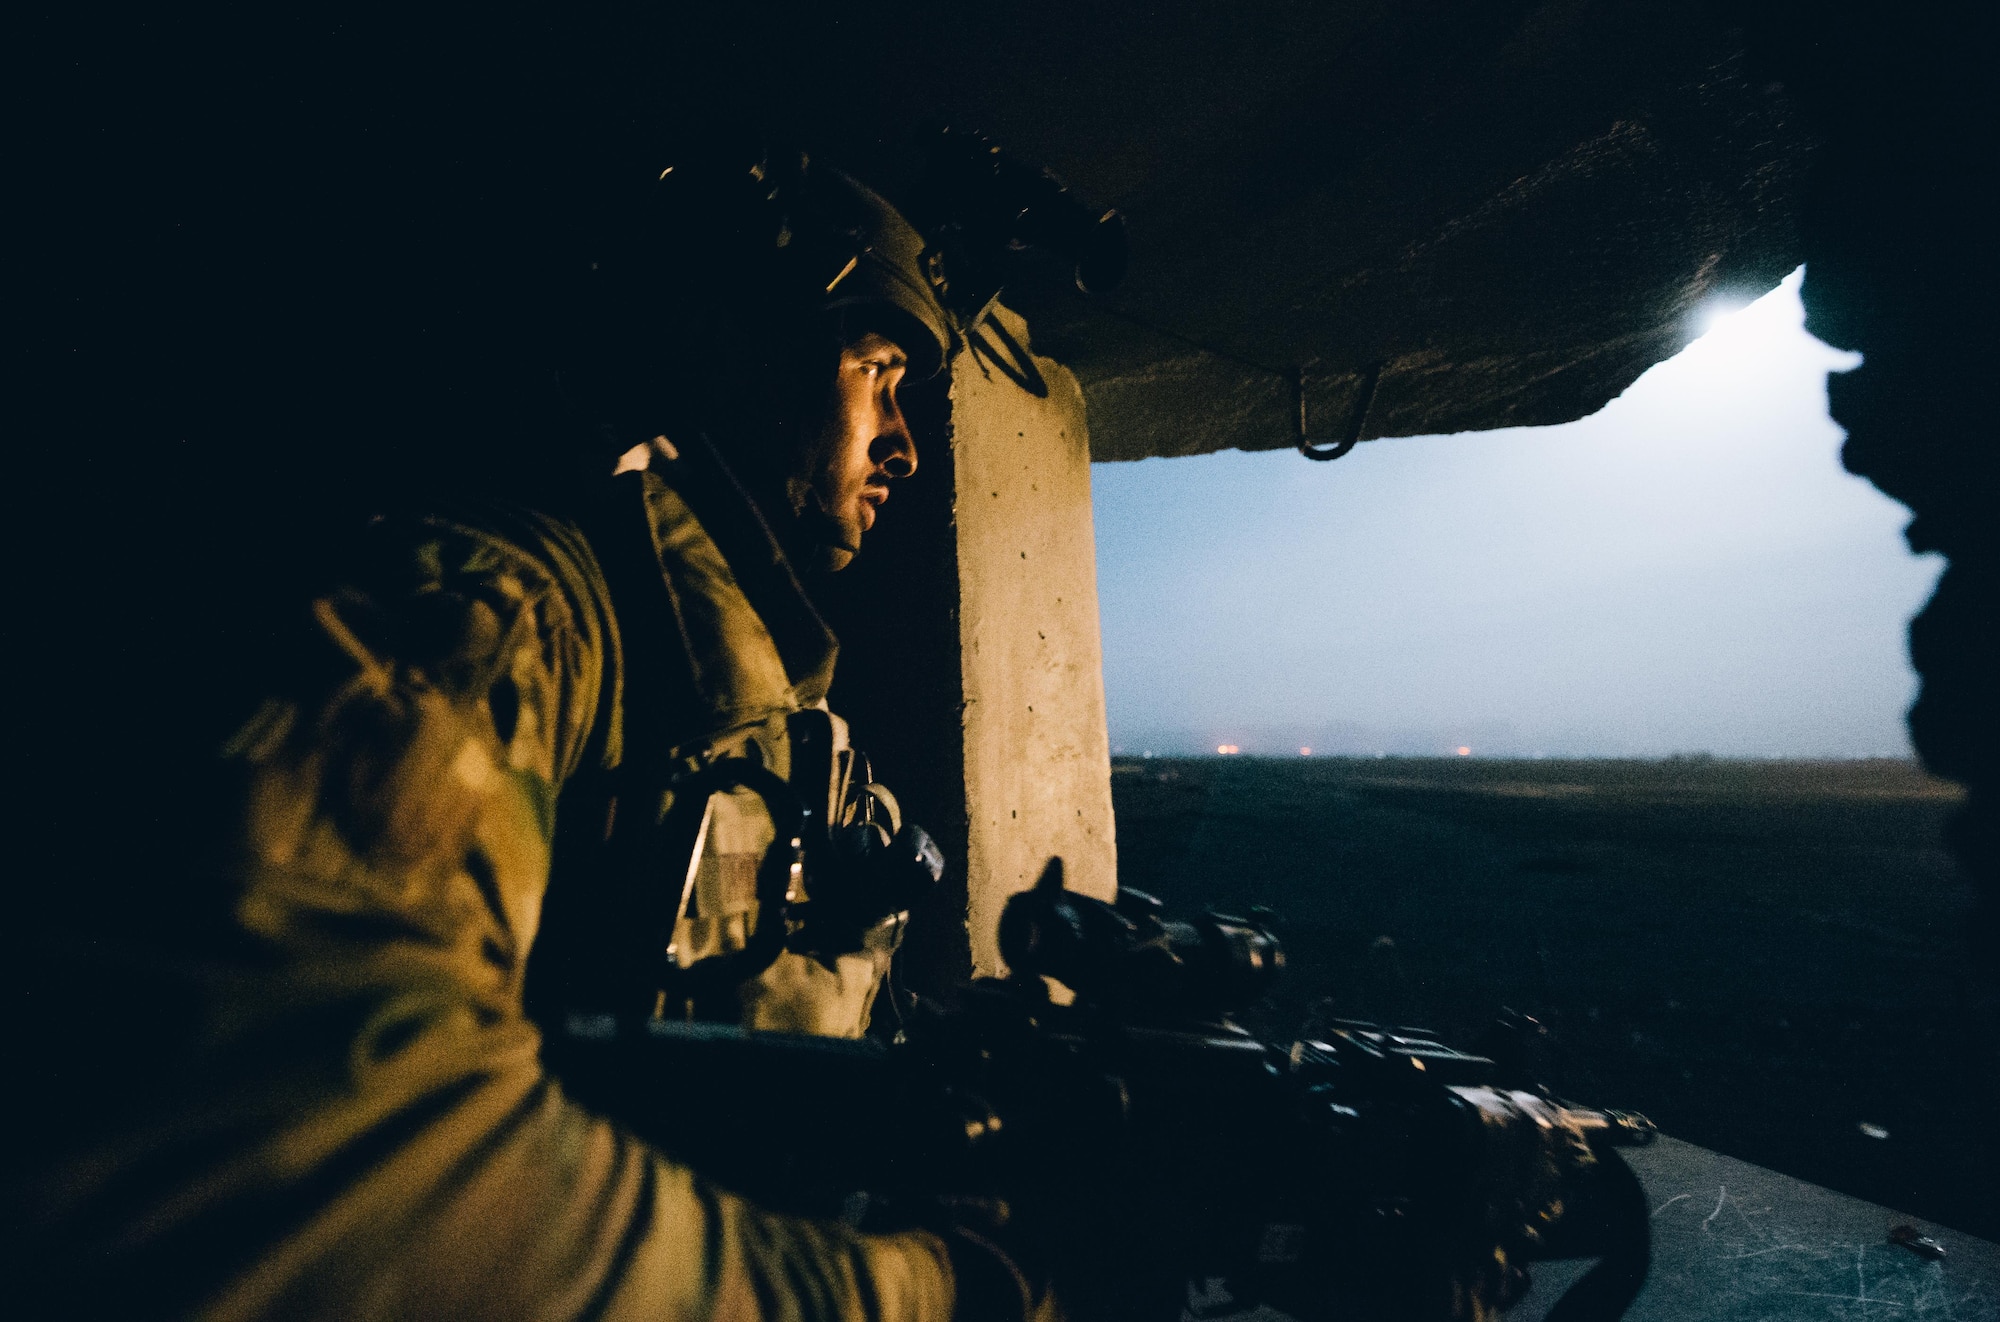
<point x="1325" y="452"/>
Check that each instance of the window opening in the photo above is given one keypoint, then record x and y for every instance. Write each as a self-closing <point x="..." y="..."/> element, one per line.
<point x="1602" y="722"/>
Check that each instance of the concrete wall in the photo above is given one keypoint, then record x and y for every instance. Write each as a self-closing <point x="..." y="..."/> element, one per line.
<point x="1036" y="756"/>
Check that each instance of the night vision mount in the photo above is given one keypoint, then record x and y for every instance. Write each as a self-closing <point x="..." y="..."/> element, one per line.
<point x="980" y="208"/>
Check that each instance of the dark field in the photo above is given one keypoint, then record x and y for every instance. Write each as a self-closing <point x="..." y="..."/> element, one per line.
<point x="1760" y="956"/>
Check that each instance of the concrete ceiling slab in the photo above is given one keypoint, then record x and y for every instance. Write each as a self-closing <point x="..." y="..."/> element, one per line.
<point x="1512" y="208"/>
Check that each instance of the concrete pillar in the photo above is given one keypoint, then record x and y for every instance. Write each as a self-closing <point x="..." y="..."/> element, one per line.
<point x="1037" y="759"/>
<point x="971" y="666"/>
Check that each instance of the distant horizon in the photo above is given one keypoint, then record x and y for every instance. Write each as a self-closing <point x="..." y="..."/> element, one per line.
<point x="1249" y="755"/>
<point x="1689" y="570"/>
<point x="1487" y="739"/>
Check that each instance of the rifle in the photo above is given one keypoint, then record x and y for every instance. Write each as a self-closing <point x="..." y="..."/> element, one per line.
<point x="1140" y="1140"/>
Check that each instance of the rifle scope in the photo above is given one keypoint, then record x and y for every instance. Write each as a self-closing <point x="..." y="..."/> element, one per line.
<point x="1126" y="957"/>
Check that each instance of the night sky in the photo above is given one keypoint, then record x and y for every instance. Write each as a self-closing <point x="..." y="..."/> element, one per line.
<point x="1688" y="571"/>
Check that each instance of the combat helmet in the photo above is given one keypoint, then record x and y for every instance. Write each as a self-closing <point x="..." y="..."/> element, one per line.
<point x="708" y="288"/>
<point x="873" y="259"/>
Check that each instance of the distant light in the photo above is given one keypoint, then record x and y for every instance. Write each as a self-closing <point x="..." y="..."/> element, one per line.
<point x="1226" y="749"/>
<point x="1147" y="753"/>
<point x="1717" y="311"/>
<point x="1305" y="751"/>
<point x="1872" y="1131"/>
<point x="1463" y="751"/>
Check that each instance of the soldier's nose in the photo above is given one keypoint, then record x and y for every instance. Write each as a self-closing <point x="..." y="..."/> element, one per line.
<point x="895" y="450"/>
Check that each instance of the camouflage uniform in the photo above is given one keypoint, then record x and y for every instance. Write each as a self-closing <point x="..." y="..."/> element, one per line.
<point x="357" y="1124"/>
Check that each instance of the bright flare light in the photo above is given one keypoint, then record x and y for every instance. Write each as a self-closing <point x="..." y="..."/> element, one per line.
<point x="1715" y="314"/>
<point x="1226" y="749"/>
<point x="1729" y="370"/>
<point x="1754" y="337"/>
<point x="1463" y="751"/>
<point x="1305" y="752"/>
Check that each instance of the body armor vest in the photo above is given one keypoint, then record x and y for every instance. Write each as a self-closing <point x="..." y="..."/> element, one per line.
<point x="665" y="858"/>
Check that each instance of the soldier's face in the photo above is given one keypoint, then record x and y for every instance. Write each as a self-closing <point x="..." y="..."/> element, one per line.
<point x="863" y="446"/>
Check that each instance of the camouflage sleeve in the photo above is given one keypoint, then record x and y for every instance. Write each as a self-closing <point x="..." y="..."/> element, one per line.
<point x="366" y="1130"/>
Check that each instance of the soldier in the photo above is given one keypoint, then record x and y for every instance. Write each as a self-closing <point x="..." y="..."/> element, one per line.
<point x="349" y="1118"/>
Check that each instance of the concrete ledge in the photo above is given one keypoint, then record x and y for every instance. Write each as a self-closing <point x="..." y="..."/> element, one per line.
<point x="1734" y="1242"/>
